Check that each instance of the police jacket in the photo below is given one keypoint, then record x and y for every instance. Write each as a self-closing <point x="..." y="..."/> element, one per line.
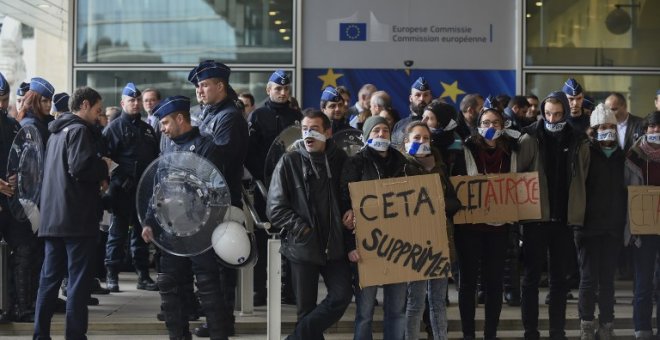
<point x="8" y="129"/>
<point x="191" y="141"/>
<point x="132" y="145"/>
<point x="368" y="165"/>
<point x="533" y="157"/>
<point x="303" y="200"/>
<point x="70" y="193"/>
<point x="225" y="125"/>
<point x="607" y="195"/>
<point x="266" y="123"/>
<point x="41" y="123"/>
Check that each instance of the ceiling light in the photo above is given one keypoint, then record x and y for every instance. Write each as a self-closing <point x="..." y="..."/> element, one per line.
<point x="278" y="22"/>
<point x="529" y="15"/>
<point x="44" y="6"/>
<point x="282" y="30"/>
<point x="286" y="38"/>
<point x="539" y="4"/>
<point x="272" y="13"/>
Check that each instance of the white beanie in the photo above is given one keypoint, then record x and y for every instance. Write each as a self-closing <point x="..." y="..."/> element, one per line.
<point x="602" y="115"/>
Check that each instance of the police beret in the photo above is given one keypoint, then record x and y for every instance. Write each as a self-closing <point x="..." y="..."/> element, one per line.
<point x="131" y="90"/>
<point x="490" y="104"/>
<point x="330" y="94"/>
<point x="61" y="102"/>
<point x="280" y="77"/>
<point x="572" y="87"/>
<point x="171" y="105"/>
<point x="657" y="93"/>
<point x="22" y="89"/>
<point x="209" y="69"/>
<point x="42" y="87"/>
<point x="421" y="84"/>
<point x="588" y="103"/>
<point x="4" y="85"/>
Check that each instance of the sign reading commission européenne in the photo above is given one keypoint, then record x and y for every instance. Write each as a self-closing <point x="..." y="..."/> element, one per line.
<point x="459" y="46"/>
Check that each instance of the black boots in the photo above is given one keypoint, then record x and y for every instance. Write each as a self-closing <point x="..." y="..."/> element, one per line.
<point x="145" y="282"/>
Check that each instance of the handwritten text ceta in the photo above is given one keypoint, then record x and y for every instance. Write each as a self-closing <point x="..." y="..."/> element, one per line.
<point x="421" y="200"/>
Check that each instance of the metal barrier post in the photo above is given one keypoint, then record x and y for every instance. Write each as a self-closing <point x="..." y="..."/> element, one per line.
<point x="245" y="285"/>
<point x="274" y="312"/>
<point x="4" y="278"/>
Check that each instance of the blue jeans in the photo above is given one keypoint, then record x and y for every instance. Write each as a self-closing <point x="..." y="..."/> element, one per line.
<point x="394" y="306"/>
<point x="644" y="260"/>
<point x="65" y="255"/>
<point x="437" y="292"/>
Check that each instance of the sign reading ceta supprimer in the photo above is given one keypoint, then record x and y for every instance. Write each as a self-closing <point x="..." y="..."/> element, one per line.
<point x="401" y="229"/>
<point x="644" y="210"/>
<point x="498" y="198"/>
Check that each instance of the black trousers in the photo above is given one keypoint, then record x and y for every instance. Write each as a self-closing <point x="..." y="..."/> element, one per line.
<point x="554" y="241"/>
<point x="473" y="246"/>
<point x="313" y="319"/>
<point x="597" y="257"/>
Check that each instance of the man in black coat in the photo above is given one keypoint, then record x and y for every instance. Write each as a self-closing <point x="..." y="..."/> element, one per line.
<point x="629" y="127"/>
<point x="303" y="200"/>
<point x="132" y="143"/>
<point x="74" y="176"/>
<point x="174" y="116"/>
<point x="332" y="105"/>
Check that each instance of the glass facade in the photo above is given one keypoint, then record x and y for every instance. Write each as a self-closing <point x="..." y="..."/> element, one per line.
<point x="606" y="45"/>
<point x="599" y="33"/>
<point x="184" y="32"/>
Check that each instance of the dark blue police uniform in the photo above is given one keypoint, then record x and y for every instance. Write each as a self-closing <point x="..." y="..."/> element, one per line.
<point x="132" y="144"/>
<point x="175" y="275"/>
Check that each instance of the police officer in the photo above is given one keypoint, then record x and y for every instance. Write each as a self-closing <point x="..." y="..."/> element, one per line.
<point x="174" y="115"/>
<point x="420" y="97"/>
<point x="266" y="123"/>
<point x="20" y="93"/>
<point x="332" y="105"/>
<point x="35" y="107"/>
<point x="74" y="176"/>
<point x="223" y="122"/>
<point x="132" y="144"/>
<point x="575" y="94"/>
<point x="17" y="234"/>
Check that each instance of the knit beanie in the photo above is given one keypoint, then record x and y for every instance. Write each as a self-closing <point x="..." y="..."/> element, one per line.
<point x="369" y="125"/>
<point x="602" y="115"/>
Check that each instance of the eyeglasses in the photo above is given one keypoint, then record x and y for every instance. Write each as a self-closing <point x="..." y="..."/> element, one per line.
<point x="493" y="123"/>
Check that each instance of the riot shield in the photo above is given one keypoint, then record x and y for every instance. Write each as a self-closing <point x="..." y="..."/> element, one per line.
<point x="182" y="197"/>
<point x="25" y="169"/>
<point x="280" y="146"/>
<point x="349" y="140"/>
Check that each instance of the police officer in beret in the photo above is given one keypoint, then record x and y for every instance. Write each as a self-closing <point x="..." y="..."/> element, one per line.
<point x="20" y="93"/>
<point x="266" y="123"/>
<point x="60" y="104"/>
<point x="35" y="108"/>
<point x="575" y="94"/>
<point x="332" y="105"/>
<point x="131" y="143"/>
<point x="420" y="97"/>
<point x="174" y="116"/>
<point x="222" y="120"/>
<point x="17" y="234"/>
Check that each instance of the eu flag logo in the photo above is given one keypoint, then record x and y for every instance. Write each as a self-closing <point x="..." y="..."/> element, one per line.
<point x="353" y="32"/>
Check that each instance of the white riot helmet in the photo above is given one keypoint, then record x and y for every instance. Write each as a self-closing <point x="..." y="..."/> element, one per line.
<point x="234" y="245"/>
<point x="32" y="212"/>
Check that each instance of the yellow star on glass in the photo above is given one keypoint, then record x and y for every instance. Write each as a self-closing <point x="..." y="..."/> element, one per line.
<point x="330" y="78"/>
<point x="451" y="90"/>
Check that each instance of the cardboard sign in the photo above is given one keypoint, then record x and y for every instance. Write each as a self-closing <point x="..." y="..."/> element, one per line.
<point x="498" y="198"/>
<point x="401" y="229"/>
<point x="644" y="210"/>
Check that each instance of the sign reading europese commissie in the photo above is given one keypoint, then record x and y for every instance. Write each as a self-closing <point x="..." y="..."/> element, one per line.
<point x="497" y="198"/>
<point x="644" y="210"/>
<point x="401" y="229"/>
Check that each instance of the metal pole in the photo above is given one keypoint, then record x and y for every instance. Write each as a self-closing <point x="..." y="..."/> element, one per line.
<point x="4" y="278"/>
<point x="245" y="285"/>
<point x="274" y="311"/>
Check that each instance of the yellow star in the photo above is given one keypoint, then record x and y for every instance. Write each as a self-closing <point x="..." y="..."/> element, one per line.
<point x="330" y="78"/>
<point x="452" y="91"/>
